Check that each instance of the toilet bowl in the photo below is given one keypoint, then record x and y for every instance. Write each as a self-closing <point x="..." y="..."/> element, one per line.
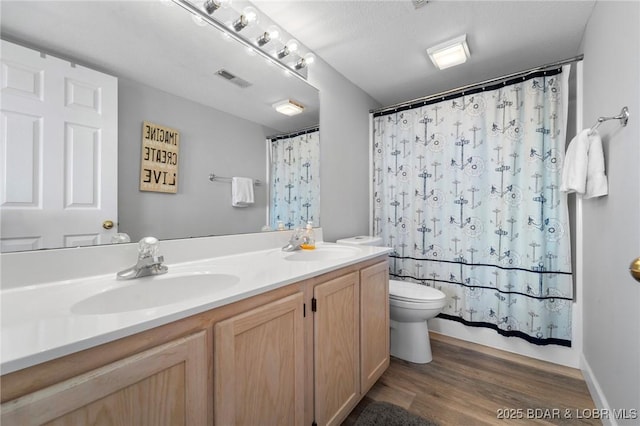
<point x="410" y="306"/>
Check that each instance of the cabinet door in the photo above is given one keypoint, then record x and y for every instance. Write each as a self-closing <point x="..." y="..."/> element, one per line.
<point x="259" y="365"/>
<point x="374" y="323"/>
<point x="166" y="385"/>
<point x="336" y="341"/>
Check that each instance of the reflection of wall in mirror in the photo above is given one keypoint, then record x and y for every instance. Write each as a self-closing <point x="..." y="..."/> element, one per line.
<point x="211" y="141"/>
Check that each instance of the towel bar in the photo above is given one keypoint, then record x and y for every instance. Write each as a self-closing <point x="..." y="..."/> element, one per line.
<point x="213" y="176"/>
<point x="623" y="117"/>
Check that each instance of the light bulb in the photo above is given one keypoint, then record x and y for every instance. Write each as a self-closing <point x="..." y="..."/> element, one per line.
<point x="292" y="45"/>
<point x="274" y="32"/>
<point x="271" y="33"/>
<point x="251" y="14"/>
<point x="309" y="58"/>
<point x="289" y="47"/>
<point x="305" y="60"/>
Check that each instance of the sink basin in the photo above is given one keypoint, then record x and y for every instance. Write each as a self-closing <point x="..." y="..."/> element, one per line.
<point x="322" y="253"/>
<point x="154" y="291"/>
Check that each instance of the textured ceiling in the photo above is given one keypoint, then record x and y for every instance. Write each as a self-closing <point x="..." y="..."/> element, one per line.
<point x="381" y="45"/>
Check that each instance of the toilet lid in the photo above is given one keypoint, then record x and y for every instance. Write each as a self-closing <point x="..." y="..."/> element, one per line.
<point x="404" y="290"/>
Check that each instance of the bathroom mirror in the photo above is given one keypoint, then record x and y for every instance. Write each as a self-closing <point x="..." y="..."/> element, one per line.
<point x="168" y="70"/>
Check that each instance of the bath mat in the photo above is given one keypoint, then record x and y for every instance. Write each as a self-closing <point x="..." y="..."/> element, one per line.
<point x="380" y="413"/>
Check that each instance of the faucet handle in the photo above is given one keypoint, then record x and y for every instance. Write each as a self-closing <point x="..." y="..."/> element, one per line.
<point x="148" y="247"/>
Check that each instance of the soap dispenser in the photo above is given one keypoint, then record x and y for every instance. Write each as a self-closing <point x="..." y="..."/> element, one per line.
<point x="309" y="239"/>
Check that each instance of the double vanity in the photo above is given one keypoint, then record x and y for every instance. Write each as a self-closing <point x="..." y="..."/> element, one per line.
<point x="231" y="336"/>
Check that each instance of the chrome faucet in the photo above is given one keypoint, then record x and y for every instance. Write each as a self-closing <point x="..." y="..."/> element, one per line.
<point x="296" y="241"/>
<point x="149" y="263"/>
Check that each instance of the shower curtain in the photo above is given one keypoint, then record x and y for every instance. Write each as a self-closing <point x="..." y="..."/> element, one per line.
<point x="294" y="179"/>
<point x="466" y="194"/>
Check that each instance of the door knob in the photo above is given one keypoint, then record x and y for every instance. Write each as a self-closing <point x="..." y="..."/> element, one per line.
<point x="634" y="269"/>
<point x="107" y="224"/>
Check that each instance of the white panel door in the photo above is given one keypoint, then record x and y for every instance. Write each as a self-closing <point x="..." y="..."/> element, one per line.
<point x="59" y="140"/>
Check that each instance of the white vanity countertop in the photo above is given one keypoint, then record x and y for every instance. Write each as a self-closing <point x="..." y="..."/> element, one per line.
<point x="40" y="322"/>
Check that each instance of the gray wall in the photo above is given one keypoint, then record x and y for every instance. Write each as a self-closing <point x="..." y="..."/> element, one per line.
<point x="344" y="153"/>
<point x="210" y="141"/>
<point x="611" y="224"/>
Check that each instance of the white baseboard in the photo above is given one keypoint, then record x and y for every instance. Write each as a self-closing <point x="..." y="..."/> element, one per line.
<point x="596" y="392"/>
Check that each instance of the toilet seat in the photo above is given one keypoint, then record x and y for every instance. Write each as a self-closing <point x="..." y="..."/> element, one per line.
<point x="404" y="291"/>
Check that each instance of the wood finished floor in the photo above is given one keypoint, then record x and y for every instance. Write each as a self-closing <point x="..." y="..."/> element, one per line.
<point x="468" y="384"/>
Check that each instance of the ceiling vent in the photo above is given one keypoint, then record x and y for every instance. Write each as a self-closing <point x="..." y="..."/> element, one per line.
<point x="233" y="78"/>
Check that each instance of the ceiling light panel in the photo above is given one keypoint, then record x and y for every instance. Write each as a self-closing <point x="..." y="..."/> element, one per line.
<point x="450" y="53"/>
<point x="288" y="107"/>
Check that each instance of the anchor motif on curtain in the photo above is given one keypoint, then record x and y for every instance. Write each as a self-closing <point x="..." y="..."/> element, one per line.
<point x="466" y="193"/>
<point x="294" y="179"/>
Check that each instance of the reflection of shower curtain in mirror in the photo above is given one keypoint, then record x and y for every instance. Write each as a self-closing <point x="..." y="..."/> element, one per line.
<point x="295" y="179"/>
<point x="466" y="193"/>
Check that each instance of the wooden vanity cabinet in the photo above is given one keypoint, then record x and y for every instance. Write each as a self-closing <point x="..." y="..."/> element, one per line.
<point x="301" y="354"/>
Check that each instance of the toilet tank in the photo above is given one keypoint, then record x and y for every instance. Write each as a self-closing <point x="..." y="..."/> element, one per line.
<point x="362" y="240"/>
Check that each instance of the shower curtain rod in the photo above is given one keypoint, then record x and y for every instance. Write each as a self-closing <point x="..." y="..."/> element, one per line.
<point x="470" y="87"/>
<point x="295" y="133"/>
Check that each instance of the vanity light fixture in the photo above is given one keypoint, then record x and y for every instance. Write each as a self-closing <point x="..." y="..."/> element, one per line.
<point x="209" y="12"/>
<point x="249" y="15"/>
<point x="450" y="53"/>
<point x="288" y="107"/>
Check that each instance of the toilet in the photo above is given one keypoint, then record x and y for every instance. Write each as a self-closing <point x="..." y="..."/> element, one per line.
<point x="410" y="306"/>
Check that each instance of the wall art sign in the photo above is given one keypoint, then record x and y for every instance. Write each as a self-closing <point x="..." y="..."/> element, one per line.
<point x="159" y="160"/>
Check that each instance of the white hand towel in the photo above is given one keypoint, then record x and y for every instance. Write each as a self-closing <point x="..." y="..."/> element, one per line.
<point x="596" y="178"/>
<point x="241" y="192"/>
<point x="583" y="170"/>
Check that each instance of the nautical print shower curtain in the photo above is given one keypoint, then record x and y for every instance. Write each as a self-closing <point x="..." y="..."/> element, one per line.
<point x="466" y="193"/>
<point x="294" y="179"/>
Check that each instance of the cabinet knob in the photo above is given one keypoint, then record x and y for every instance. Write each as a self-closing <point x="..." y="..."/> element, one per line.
<point x="634" y="269"/>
